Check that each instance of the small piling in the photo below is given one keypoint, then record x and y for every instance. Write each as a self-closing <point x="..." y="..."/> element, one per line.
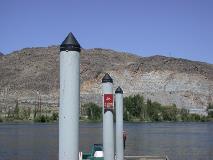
<point x="119" y="124"/>
<point x="108" y="108"/>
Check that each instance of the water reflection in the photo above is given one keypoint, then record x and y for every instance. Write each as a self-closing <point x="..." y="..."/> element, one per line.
<point x="180" y="141"/>
<point x="177" y="140"/>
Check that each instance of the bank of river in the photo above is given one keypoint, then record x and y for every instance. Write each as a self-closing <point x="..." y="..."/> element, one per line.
<point x="180" y="141"/>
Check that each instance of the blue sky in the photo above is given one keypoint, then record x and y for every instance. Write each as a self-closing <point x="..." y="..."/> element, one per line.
<point x="179" y="28"/>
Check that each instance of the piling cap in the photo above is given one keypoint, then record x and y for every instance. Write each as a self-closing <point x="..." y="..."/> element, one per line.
<point x="119" y="90"/>
<point x="70" y="44"/>
<point x="107" y="78"/>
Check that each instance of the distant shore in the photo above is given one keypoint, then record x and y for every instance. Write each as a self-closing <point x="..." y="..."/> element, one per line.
<point x="98" y="121"/>
<point x="136" y="109"/>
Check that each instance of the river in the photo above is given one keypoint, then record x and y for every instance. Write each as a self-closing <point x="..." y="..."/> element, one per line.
<point x="179" y="141"/>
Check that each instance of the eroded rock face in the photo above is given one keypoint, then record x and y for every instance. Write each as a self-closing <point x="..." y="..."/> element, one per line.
<point x="167" y="87"/>
<point x="33" y="72"/>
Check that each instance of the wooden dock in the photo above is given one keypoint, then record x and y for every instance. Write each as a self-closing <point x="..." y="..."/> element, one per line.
<point x="146" y="158"/>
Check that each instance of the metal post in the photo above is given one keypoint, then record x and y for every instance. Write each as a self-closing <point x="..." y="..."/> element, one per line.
<point x="119" y="124"/>
<point x="108" y="107"/>
<point x="69" y="99"/>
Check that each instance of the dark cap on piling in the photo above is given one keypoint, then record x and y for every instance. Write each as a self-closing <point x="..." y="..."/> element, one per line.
<point x="70" y="44"/>
<point x="107" y="78"/>
<point x="119" y="90"/>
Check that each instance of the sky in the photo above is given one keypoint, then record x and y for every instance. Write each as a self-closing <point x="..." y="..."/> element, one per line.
<point x="178" y="28"/>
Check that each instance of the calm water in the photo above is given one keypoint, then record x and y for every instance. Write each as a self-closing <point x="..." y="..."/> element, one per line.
<point x="180" y="141"/>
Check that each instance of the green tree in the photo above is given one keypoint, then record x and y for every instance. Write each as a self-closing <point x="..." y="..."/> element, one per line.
<point x="54" y="116"/>
<point x="126" y="115"/>
<point x="169" y="113"/>
<point x="25" y="113"/>
<point x="42" y="119"/>
<point x="194" y="117"/>
<point x="127" y="106"/>
<point x="184" y="113"/>
<point x="210" y="113"/>
<point x="93" y="111"/>
<point x="154" y="111"/>
<point x="135" y="108"/>
<point x="16" y="111"/>
<point x="10" y="114"/>
<point x="1" y="120"/>
<point x="35" y="112"/>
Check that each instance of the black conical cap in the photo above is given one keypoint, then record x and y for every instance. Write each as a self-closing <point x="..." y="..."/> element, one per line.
<point x="119" y="90"/>
<point x="107" y="78"/>
<point x="70" y="44"/>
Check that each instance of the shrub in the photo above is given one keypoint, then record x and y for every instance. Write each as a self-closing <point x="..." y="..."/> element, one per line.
<point x="54" y="116"/>
<point x="16" y="111"/>
<point x="1" y="120"/>
<point x="42" y="119"/>
<point x="169" y="113"/>
<point x="93" y="111"/>
<point x="210" y="114"/>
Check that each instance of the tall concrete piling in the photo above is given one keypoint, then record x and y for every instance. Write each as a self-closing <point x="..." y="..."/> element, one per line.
<point x="69" y="99"/>
<point x="108" y="107"/>
<point x="119" y="123"/>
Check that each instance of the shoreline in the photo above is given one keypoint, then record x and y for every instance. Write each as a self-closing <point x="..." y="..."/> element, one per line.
<point x="92" y="121"/>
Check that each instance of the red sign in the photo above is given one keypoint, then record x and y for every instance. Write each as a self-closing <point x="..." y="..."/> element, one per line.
<point x="108" y="101"/>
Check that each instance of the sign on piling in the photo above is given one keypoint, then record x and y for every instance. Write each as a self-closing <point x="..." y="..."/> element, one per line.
<point x="108" y="101"/>
<point x="108" y="130"/>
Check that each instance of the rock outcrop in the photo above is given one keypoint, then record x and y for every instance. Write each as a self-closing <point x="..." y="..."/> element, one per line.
<point x="33" y="72"/>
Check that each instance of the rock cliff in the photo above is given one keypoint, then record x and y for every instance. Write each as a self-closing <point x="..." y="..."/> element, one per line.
<point x="33" y="72"/>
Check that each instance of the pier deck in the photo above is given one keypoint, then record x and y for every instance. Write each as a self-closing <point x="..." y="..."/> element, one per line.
<point x="146" y="158"/>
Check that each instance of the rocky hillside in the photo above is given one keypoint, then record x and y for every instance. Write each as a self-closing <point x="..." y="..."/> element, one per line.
<point x="33" y="72"/>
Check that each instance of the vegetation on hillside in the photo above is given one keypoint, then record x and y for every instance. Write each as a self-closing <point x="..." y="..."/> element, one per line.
<point x="136" y="108"/>
<point x="93" y="112"/>
<point x="20" y="113"/>
<point x="210" y="113"/>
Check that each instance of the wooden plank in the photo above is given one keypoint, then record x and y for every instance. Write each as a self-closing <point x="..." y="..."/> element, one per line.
<point x="146" y="158"/>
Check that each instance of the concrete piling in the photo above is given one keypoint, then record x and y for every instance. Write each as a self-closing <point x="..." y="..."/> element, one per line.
<point x="108" y="107"/>
<point x="119" y="124"/>
<point x="69" y="99"/>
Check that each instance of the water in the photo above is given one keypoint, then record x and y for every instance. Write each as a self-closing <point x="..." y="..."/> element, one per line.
<point x="180" y="141"/>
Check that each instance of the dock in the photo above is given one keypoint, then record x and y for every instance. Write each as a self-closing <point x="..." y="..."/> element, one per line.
<point x="146" y="158"/>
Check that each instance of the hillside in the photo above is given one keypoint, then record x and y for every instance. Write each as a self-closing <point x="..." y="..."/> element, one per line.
<point x="30" y="72"/>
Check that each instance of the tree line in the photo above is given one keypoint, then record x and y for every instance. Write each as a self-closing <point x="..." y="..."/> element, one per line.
<point x="35" y="114"/>
<point x="136" y="108"/>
